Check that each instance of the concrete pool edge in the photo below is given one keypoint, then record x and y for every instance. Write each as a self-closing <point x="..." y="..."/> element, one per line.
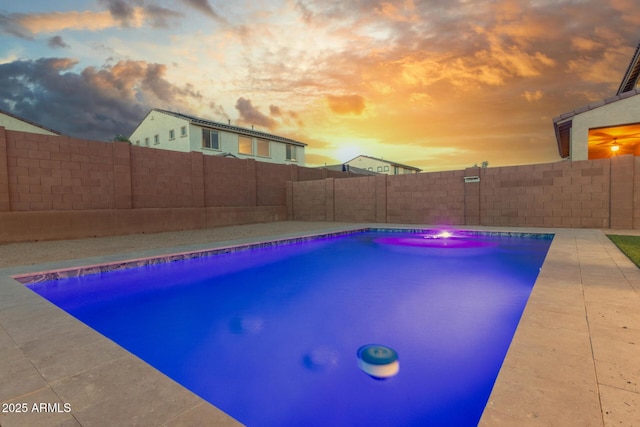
<point x="46" y="275"/>
<point x="85" y="267"/>
<point x="54" y="358"/>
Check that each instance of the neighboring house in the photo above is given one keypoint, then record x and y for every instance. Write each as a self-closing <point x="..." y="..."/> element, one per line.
<point x="12" y="122"/>
<point x="180" y="132"/>
<point x="605" y="128"/>
<point x="346" y="168"/>
<point x="375" y="164"/>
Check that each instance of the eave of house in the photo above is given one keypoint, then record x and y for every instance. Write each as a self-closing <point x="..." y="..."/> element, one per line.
<point x="631" y="76"/>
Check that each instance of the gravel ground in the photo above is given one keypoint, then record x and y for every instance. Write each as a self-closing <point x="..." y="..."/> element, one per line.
<point x="29" y="253"/>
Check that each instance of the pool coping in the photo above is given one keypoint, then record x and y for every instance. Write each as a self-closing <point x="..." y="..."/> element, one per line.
<point x="104" y="267"/>
<point x="558" y="370"/>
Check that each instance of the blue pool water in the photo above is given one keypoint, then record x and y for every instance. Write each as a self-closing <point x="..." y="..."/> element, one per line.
<point x="270" y="335"/>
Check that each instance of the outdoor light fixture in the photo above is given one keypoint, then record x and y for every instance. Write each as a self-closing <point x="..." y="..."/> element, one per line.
<point x="615" y="148"/>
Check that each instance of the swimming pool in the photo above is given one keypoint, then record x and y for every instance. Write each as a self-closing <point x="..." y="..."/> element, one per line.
<point x="270" y="335"/>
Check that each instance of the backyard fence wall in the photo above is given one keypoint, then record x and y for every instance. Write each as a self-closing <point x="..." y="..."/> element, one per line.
<point x="602" y="193"/>
<point x="54" y="187"/>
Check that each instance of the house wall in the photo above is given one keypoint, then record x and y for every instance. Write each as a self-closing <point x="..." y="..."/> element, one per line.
<point x="54" y="187"/>
<point x="158" y="123"/>
<point x="621" y="112"/>
<point x="602" y="193"/>
<point x="12" y="123"/>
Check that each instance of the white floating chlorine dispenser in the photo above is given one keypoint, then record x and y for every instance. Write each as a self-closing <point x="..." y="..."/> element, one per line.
<point x="378" y="361"/>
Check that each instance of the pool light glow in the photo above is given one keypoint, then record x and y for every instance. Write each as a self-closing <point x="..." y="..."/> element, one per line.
<point x="441" y="235"/>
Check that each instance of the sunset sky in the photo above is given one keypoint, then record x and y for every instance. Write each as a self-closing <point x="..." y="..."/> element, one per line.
<point x="437" y="84"/>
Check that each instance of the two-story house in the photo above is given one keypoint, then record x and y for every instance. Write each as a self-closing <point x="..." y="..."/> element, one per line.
<point x="168" y="130"/>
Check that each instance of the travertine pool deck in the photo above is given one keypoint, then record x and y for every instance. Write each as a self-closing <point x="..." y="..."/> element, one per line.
<point x="574" y="361"/>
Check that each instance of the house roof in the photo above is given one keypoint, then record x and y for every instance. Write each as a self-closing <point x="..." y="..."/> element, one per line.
<point x="387" y="161"/>
<point x="594" y="105"/>
<point x="631" y="76"/>
<point x="348" y="168"/>
<point x="32" y="123"/>
<point x="231" y="128"/>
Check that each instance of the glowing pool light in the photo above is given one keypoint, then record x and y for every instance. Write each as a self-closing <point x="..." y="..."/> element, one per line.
<point x="438" y="239"/>
<point x="441" y="235"/>
<point x="378" y="361"/>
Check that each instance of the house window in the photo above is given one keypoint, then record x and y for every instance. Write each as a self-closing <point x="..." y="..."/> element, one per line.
<point x="156" y="139"/>
<point x="172" y="135"/>
<point x="245" y="145"/>
<point x="263" y="148"/>
<point x="137" y="142"/>
<point x="379" y="168"/>
<point x="146" y="142"/>
<point x="291" y="152"/>
<point x="386" y="168"/>
<point x="183" y="131"/>
<point x="396" y="170"/>
<point x="210" y="139"/>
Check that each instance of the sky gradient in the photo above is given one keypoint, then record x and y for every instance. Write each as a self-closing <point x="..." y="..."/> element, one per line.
<point x="437" y="84"/>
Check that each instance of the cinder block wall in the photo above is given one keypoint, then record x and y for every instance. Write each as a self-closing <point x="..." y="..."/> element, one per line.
<point x="58" y="173"/>
<point x="602" y="193"/>
<point x="227" y="181"/>
<point x="564" y="194"/>
<point x="355" y="199"/>
<point x="426" y="198"/>
<point x="54" y="187"/>
<point x="161" y="178"/>
<point x="270" y="182"/>
<point x="310" y="200"/>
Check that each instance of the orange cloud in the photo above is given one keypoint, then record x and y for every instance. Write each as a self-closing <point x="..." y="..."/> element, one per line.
<point x="456" y="71"/>
<point x="531" y="96"/>
<point x="513" y="59"/>
<point x="404" y="13"/>
<point x="346" y="104"/>
<point x="598" y="69"/>
<point x="57" y="21"/>
<point x="25" y="25"/>
<point x="628" y="8"/>
<point x="584" y="44"/>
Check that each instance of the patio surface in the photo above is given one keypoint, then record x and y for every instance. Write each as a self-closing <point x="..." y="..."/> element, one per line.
<point x="574" y="360"/>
